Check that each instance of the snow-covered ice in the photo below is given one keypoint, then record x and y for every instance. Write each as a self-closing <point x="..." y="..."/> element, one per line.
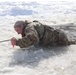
<point x="37" y="60"/>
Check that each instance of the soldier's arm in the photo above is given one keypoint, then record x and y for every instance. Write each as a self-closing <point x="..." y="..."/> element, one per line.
<point x="30" y="38"/>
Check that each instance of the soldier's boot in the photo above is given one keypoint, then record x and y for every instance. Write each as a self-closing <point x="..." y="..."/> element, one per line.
<point x="72" y="42"/>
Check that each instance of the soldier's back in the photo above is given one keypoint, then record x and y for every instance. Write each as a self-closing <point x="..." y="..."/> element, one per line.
<point x="48" y="35"/>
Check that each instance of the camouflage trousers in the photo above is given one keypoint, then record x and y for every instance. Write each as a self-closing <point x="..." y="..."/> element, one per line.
<point x="54" y="37"/>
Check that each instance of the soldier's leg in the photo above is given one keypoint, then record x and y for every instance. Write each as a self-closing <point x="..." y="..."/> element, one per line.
<point x="72" y="42"/>
<point x="63" y="40"/>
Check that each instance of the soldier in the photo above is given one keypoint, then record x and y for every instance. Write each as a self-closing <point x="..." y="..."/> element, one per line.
<point x="35" y="33"/>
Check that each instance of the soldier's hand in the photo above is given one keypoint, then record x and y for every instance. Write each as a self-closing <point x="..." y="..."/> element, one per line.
<point x="13" y="41"/>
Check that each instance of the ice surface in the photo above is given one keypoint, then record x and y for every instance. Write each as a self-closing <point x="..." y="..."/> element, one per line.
<point x="38" y="60"/>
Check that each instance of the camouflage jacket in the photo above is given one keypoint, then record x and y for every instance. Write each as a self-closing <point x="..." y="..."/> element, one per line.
<point x="36" y="33"/>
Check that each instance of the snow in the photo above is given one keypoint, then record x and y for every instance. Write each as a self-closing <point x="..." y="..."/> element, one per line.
<point x="37" y="60"/>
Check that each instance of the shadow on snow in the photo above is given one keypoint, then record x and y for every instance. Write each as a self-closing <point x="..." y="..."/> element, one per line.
<point x="32" y="56"/>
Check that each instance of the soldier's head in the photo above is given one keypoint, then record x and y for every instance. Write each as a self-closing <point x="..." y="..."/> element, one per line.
<point x="19" y="26"/>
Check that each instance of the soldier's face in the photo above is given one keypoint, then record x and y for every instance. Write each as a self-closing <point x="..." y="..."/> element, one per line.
<point x="18" y="30"/>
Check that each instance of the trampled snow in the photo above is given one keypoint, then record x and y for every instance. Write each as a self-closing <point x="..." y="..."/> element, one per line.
<point x="37" y="60"/>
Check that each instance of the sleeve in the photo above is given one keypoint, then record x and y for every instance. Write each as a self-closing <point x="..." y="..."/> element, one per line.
<point x="31" y="38"/>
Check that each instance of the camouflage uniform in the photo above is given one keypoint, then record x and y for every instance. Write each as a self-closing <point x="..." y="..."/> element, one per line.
<point x="35" y="33"/>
